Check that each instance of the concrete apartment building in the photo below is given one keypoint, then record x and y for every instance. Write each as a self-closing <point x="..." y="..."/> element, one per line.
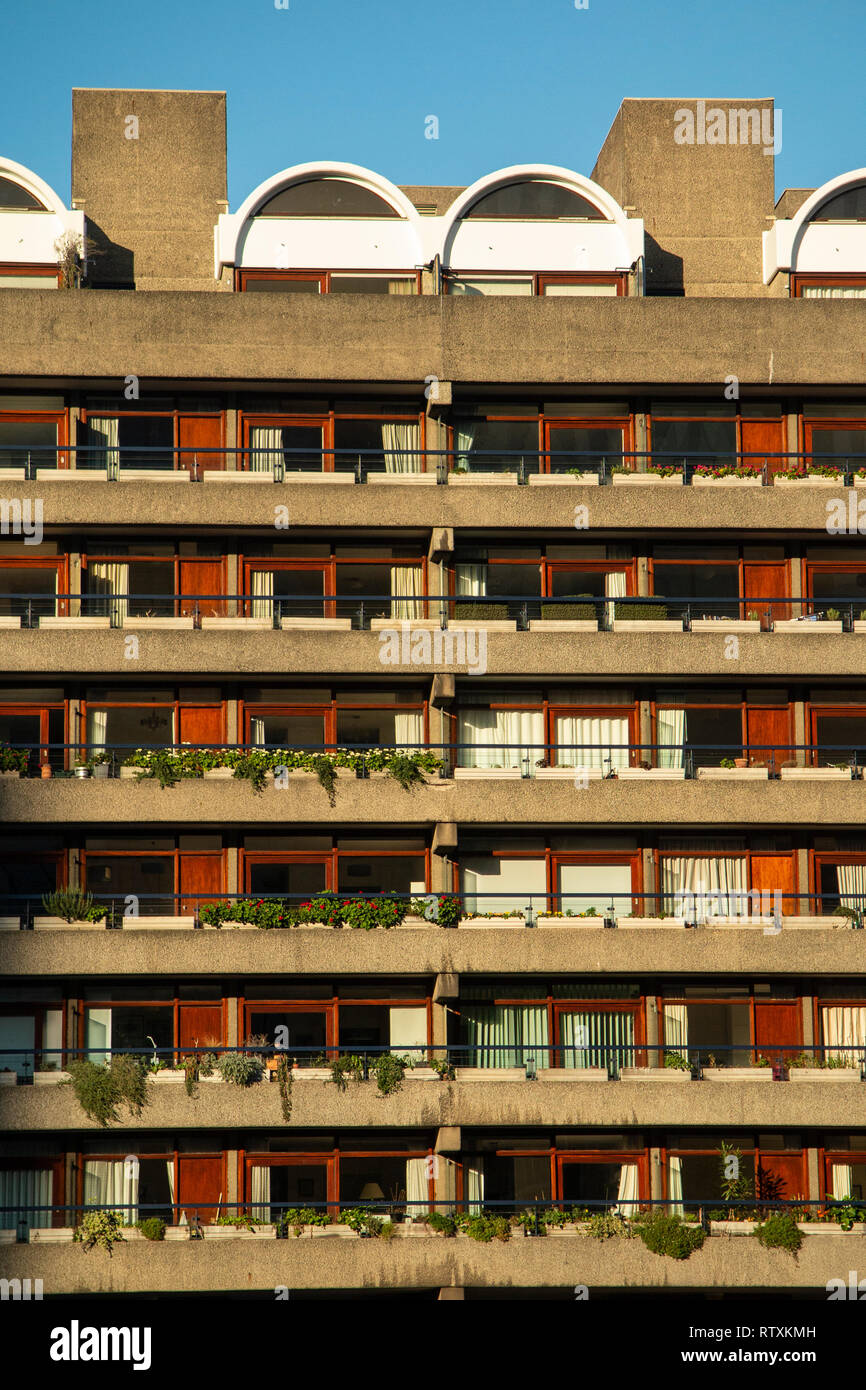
<point x="555" y="490"/>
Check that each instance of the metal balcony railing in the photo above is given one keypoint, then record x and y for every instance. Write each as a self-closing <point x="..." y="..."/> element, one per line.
<point x="280" y="463"/>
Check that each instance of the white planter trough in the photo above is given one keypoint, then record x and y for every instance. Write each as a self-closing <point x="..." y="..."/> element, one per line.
<point x="6" y="621"/>
<point x="822" y="1074"/>
<point x="51" y="1235"/>
<point x="654" y="1074"/>
<point x="563" y="479"/>
<point x="650" y="774"/>
<point x="703" y="480"/>
<point x="810" y="480"/>
<point x="545" y="921"/>
<point x="60" y="924"/>
<point x="732" y="774"/>
<point x="492" y="1073"/>
<point x="159" y="923"/>
<point x="131" y="774"/>
<point x="484" y="774"/>
<point x="10" y="923"/>
<point x="813" y="625"/>
<point x="182" y="624"/>
<point x="390" y="624"/>
<point x="50" y="1078"/>
<point x="166" y="1077"/>
<point x="226" y="1232"/>
<point x="563" y="625"/>
<point x="737" y="1073"/>
<point x="75" y="624"/>
<point x="484" y="922"/>
<point x="316" y="624"/>
<point x="8" y="1078"/>
<point x="669" y="923"/>
<point x="597" y="1074"/>
<point x="153" y="475"/>
<point x="311" y="1073"/>
<point x="646" y="480"/>
<point x="403" y="479"/>
<point x="420" y="1074"/>
<point x="732" y="1228"/>
<point x="482" y="479"/>
<point x="219" y="774"/>
<point x="722" y="626"/>
<point x="568" y="774"/>
<point x="238" y="624"/>
<point x="8" y="1237"/>
<point x="647" y="624"/>
<point x="816" y="774"/>
<point x="482" y="625"/>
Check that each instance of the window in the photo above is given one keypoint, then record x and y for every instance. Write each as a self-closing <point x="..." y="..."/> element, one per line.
<point x="32" y="437"/>
<point x="28" y="277"/>
<point x="535" y="199"/>
<point x="708" y="435"/>
<point x="28" y="589"/>
<point x="161" y="438"/>
<point x="327" y="197"/>
<point x="129" y="587"/>
<point x="328" y="282"/>
<point x="331" y="441"/>
<point x="15" y="198"/>
<point x="840" y="882"/>
<point x="839" y="442"/>
<point x="352" y="867"/>
<point x="386" y="584"/>
<point x="849" y="206"/>
<point x="37" y="726"/>
<point x="703" y="878"/>
<point x="497" y="283"/>
<point x="160" y="880"/>
<point x="828" y="286"/>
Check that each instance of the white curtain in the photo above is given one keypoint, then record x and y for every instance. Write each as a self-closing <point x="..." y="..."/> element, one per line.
<point x="614" y="587"/>
<point x="841" y="1177"/>
<point x="675" y="1186"/>
<point x="492" y="729"/>
<point x="446" y="1184"/>
<point x="98" y="1034"/>
<point x="112" y="1183"/>
<point x="473" y="1191"/>
<point x="597" y="1038"/>
<point x="262" y="589"/>
<point x="676" y="1018"/>
<point x="266" y="449"/>
<point x="417" y="1188"/>
<point x="97" y="727"/>
<point x="464" y="438"/>
<point x="111" y="579"/>
<point x="844" y="1027"/>
<point x="711" y="887"/>
<point x="833" y="292"/>
<point x="470" y="581"/>
<point x="851" y="879"/>
<point x="22" y="1189"/>
<point x="595" y="740"/>
<point x="506" y="1035"/>
<point x="407" y="581"/>
<point x="627" y="1197"/>
<point x="260" y="1192"/>
<point x="102" y="440"/>
<point x="409" y="731"/>
<point x="671" y="734"/>
<point x="401" y="443"/>
<point x="169" y="1171"/>
<point x="257" y="731"/>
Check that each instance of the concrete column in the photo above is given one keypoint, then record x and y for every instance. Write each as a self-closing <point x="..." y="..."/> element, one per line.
<point x="640" y="440"/>
<point x="232" y="724"/>
<point x="232" y="871"/>
<point x="813" y="1188"/>
<point x="800" y="735"/>
<point x="655" y="1168"/>
<point x="232" y="583"/>
<point x="232" y="1022"/>
<point x="645" y="731"/>
<point x="809" y="1038"/>
<point x="643" y="587"/>
<point x="804" y="909"/>
<point x="790" y="424"/>
<point x="653" y="1032"/>
<point x="232" y="1192"/>
<point x="440" y="1025"/>
<point x="74" y="417"/>
<point x="232" y="441"/>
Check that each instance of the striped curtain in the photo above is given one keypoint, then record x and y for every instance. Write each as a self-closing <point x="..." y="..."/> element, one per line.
<point x="851" y="880"/>
<point x="843" y="1028"/>
<point x="505" y="1035"/>
<point x="591" y="742"/>
<point x="110" y="1181"/>
<point x="407" y="581"/>
<point x="260" y="1192"/>
<point x="671" y="734"/>
<point x="266" y="449"/>
<point x="595" y="1038"/>
<point x="21" y="1189"/>
<point x="676" y="1017"/>
<point x="262" y="588"/>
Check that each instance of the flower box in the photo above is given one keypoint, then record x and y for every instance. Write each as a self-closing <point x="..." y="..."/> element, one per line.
<point x="546" y="921"/>
<point x="8" y="1237"/>
<point x="51" y="1235"/>
<point x="237" y="624"/>
<point x="737" y="1073"/>
<point x="492" y="922"/>
<point x="654" y="1074"/>
<point x="732" y="774"/>
<point x="316" y="624"/>
<point x="167" y="1076"/>
<point x="558" y="479"/>
<point x="647" y="624"/>
<point x="76" y="624"/>
<point x="498" y="479"/>
<point x="830" y="1228"/>
<point x="60" y="924"/>
<point x="153" y="475"/>
<point x="50" y="1078"/>
<point x="311" y="1073"/>
<point x="812" y="625"/>
<point x="824" y="1074"/>
<point x="483" y="774"/>
<point x="644" y="479"/>
<point x="722" y="626"/>
<point x="650" y="774"/>
<point x="818" y="923"/>
<point x="131" y="774"/>
<point x="675" y="923"/>
<point x="859" y="625"/>
<point x="12" y="772"/>
<point x="8" y="1077"/>
<point x="8" y="621"/>
<point x="597" y="1074"/>
<point x="732" y="1228"/>
<point x="729" y="480"/>
<point x="389" y="624"/>
<point x="563" y="625"/>
<point x="147" y="624"/>
<point x="420" y="1074"/>
<point x="482" y="625"/>
<point x="812" y="479"/>
<point x="402" y="479"/>
<point x="226" y="1232"/>
<point x="10" y="923"/>
<point x="159" y="923"/>
<point x="816" y="774"/>
<point x="219" y="774"/>
<point x="568" y="774"/>
<point x="492" y="1073"/>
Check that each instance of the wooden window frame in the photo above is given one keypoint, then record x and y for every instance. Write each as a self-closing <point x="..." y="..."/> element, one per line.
<point x="820" y="858"/>
<point x="42" y="711"/>
<point x="323" y="277"/>
<point x="539" y="278"/>
<point x="799" y="282"/>
<point x="176" y="855"/>
<point x="60" y="419"/>
<point x="748" y="854"/>
<point x="44" y="270"/>
<point x="175" y="414"/>
<point x="331" y="860"/>
<point x="82" y="1005"/>
<point x="60" y="565"/>
<point x="329" y="1159"/>
<point x="327" y="420"/>
<point x="57" y="1168"/>
<point x="327" y="566"/>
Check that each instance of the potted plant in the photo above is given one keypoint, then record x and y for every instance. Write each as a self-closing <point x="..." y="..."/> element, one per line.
<point x="70" y="907"/>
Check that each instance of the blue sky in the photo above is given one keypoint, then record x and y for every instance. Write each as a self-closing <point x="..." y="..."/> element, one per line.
<point x="510" y="81"/>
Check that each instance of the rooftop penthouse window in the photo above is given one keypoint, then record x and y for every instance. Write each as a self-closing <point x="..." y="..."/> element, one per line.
<point x="332" y="197"/>
<point x="15" y="198"/>
<point x="539" y="199"/>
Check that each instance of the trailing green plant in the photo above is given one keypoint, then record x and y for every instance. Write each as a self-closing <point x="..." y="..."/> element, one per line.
<point x="100" y="1088"/>
<point x="662" y="470"/>
<point x="603" y="1225"/>
<point x="102" y="1228"/>
<point x="667" y="1235"/>
<point x="152" y="1227"/>
<point x="387" y="1230"/>
<point x="846" y="1215"/>
<point x="449" y="910"/>
<point x="362" y="1222"/>
<point x="240" y="1068"/>
<point x="676" y="1062"/>
<point x="284" y="1081"/>
<point x="72" y="905"/>
<point x="328" y="909"/>
<point x="344" y="1068"/>
<point x="443" y="1069"/>
<point x="485" y="1228"/>
<point x="389" y="1072"/>
<point x="403" y="768"/>
<point x="735" y="1185"/>
<point x="727" y="763"/>
<point x="241" y="1221"/>
<point x="296" y="1218"/>
<point x="780" y="1232"/>
<point x="442" y="1223"/>
<point x="191" y="1073"/>
<point x="13" y="759"/>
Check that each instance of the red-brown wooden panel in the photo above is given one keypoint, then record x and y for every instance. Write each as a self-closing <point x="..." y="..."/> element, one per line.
<point x="202" y="724"/>
<point x="200" y="874"/>
<point x="766" y="581"/>
<point x="775" y="871"/>
<point x="200" y="433"/>
<point x="200" y="1025"/>
<point x="203" y="577"/>
<point x="781" y="1177"/>
<point x="200" y="1181"/>
<point x="768" y="733"/>
<point x="779" y="1023"/>
<point x="764" y="437"/>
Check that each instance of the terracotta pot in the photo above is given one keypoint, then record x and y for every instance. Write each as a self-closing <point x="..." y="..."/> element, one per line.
<point x="46" y="770"/>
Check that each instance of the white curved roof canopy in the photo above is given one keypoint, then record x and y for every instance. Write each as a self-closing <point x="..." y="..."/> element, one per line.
<point x="804" y="246"/>
<point x="393" y="242"/>
<point x="27" y="237"/>
<point x="558" y="244"/>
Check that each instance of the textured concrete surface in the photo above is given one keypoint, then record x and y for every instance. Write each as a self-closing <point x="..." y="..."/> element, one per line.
<point x="334" y="1262"/>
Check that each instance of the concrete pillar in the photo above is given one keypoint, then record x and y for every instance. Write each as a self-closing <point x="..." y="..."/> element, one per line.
<point x="640" y="440"/>
<point x="809" y="1038"/>
<point x="232" y="1022"/>
<point x="803" y="906"/>
<point x="74" y="417"/>
<point x="452" y="1295"/>
<point x="232" y="463"/>
<point x="653" y="1032"/>
<point x="232" y="1191"/>
<point x="655" y="1168"/>
<point x="232" y="583"/>
<point x="232" y="870"/>
<point x="813" y="1187"/>
<point x="643" y="587"/>
<point x="800" y="733"/>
